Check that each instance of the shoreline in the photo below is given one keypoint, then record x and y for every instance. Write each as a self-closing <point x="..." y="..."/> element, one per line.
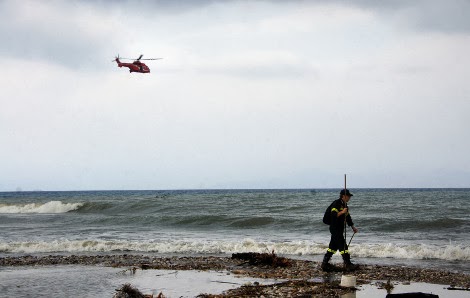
<point x="300" y="276"/>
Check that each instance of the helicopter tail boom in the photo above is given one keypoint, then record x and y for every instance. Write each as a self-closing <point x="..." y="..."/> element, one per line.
<point x="116" y="59"/>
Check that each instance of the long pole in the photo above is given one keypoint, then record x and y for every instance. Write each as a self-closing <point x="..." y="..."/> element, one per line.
<point x="346" y="215"/>
<point x="351" y="239"/>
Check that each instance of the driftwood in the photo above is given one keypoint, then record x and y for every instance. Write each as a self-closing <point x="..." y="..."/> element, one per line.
<point x="453" y="288"/>
<point x="412" y="295"/>
<point x="254" y="258"/>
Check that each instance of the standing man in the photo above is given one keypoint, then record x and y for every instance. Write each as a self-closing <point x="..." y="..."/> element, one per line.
<point x="338" y="217"/>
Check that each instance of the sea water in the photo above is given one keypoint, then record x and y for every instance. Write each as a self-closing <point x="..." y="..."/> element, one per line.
<point x="419" y="227"/>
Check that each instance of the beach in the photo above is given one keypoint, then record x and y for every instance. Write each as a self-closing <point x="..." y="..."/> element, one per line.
<point x="90" y="243"/>
<point x="299" y="278"/>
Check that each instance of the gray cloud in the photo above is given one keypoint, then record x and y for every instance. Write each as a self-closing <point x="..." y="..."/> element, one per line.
<point x="83" y="34"/>
<point x="426" y="15"/>
<point x="60" y="36"/>
<point x="265" y="97"/>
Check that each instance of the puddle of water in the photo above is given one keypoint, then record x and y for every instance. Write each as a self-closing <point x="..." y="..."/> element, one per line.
<point x="188" y="283"/>
<point x="371" y="290"/>
<point x="90" y="281"/>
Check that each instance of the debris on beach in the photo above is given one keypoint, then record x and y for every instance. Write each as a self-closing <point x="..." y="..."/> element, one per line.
<point x="388" y="286"/>
<point x="128" y="291"/>
<point x="131" y="270"/>
<point x="291" y="288"/>
<point x="254" y="258"/>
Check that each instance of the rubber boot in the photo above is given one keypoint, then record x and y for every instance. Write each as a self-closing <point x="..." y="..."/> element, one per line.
<point x="325" y="266"/>
<point x="347" y="263"/>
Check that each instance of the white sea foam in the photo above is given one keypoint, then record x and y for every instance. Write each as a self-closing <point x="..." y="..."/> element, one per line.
<point x="412" y="251"/>
<point x="49" y="207"/>
<point x="449" y="252"/>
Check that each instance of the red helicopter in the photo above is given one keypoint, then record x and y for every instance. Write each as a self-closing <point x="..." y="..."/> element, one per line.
<point x="135" y="66"/>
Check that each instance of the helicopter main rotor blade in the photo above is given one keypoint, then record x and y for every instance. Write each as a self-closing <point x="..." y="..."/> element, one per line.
<point x="140" y="58"/>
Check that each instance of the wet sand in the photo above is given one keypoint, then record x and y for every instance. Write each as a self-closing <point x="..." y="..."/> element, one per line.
<point x="297" y="278"/>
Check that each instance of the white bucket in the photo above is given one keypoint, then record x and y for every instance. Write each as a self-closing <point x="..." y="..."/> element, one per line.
<point x="348" y="281"/>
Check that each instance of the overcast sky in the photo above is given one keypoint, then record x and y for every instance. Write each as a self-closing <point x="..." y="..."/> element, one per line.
<point x="250" y="94"/>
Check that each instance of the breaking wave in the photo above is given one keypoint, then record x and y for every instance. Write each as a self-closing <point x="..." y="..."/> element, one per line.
<point x="395" y="251"/>
<point x="412" y="251"/>
<point x="49" y="207"/>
